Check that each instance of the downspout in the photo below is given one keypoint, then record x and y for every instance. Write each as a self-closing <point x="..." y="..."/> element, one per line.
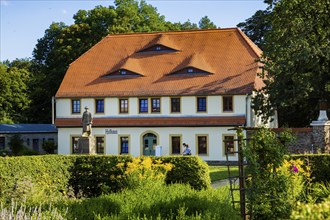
<point x="247" y="112"/>
<point x="53" y="110"/>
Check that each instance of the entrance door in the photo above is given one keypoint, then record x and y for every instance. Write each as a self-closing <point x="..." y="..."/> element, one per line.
<point x="149" y="144"/>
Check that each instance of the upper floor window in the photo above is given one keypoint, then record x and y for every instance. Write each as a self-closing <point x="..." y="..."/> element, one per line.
<point x="123" y="108"/>
<point x="123" y="72"/>
<point x="175" y="105"/>
<point x="201" y="104"/>
<point x="190" y="70"/>
<point x="143" y="105"/>
<point x="155" y="102"/>
<point x="100" y="145"/>
<point x="75" y="106"/>
<point x="99" y="105"/>
<point x="227" y="103"/>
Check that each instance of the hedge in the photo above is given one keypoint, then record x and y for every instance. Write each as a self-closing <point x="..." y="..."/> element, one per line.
<point x="320" y="165"/>
<point x="87" y="176"/>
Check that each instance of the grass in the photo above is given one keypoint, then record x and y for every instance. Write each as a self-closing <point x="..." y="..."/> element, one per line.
<point x="221" y="172"/>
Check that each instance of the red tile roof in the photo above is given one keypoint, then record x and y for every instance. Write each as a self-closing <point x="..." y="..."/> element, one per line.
<point x="155" y="122"/>
<point x="227" y="54"/>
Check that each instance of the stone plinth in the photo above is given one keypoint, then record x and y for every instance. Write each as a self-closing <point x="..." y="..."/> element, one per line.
<point x="86" y="145"/>
<point x="321" y="136"/>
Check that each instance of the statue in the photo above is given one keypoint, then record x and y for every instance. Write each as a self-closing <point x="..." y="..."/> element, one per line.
<point x="87" y="122"/>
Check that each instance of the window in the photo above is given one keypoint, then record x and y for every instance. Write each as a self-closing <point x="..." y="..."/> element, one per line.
<point x="229" y="146"/>
<point x="28" y="142"/>
<point x="75" y="106"/>
<point x="155" y="102"/>
<point x="123" y="145"/>
<point x="74" y="145"/>
<point x="99" y="104"/>
<point x="143" y="105"/>
<point x="100" y="145"/>
<point x="175" y="105"/>
<point x="2" y="143"/>
<point x="190" y="70"/>
<point x="227" y="103"/>
<point x="123" y="108"/>
<point x="158" y="48"/>
<point x="51" y="140"/>
<point x="123" y="72"/>
<point x="35" y="144"/>
<point x="202" y="144"/>
<point x="201" y="104"/>
<point x="176" y="144"/>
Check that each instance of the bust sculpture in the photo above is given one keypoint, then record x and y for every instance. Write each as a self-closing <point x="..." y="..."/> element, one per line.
<point x="87" y="121"/>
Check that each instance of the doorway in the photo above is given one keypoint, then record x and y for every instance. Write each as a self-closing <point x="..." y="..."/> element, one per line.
<point x="149" y="144"/>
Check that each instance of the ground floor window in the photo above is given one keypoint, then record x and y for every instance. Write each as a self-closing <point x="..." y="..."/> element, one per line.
<point x="175" y="144"/>
<point x="124" y="143"/>
<point x="35" y="144"/>
<point x="2" y="143"/>
<point x="74" y="145"/>
<point x="99" y="145"/>
<point x="202" y="144"/>
<point x="229" y="145"/>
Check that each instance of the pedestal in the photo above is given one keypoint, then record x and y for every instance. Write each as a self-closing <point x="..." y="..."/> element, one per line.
<point x="321" y="136"/>
<point x="86" y="145"/>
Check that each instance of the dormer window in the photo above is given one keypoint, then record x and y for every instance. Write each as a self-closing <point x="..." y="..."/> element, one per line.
<point x="122" y="72"/>
<point x="190" y="70"/>
<point x="158" y="48"/>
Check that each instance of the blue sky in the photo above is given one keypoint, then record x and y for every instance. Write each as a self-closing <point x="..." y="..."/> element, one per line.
<point x="23" y="22"/>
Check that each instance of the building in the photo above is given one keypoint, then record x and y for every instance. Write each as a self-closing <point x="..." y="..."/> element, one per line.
<point x="161" y="89"/>
<point x="32" y="135"/>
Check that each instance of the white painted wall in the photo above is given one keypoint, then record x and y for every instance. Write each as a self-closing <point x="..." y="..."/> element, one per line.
<point x="188" y="107"/>
<point x="215" y="134"/>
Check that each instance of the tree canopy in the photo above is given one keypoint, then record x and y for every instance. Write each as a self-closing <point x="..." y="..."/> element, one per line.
<point x="296" y="57"/>
<point x="14" y="91"/>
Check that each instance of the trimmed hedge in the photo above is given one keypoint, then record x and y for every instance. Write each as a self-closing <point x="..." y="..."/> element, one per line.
<point x="320" y="165"/>
<point x="87" y="176"/>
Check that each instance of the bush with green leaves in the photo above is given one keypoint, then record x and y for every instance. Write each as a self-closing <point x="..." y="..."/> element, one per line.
<point x="274" y="185"/>
<point x="49" y="147"/>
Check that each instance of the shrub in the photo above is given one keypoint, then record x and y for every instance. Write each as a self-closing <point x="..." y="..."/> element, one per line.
<point x="49" y="147"/>
<point x="320" y="166"/>
<point x="188" y="170"/>
<point x="271" y="179"/>
<point x="16" y="144"/>
<point x="156" y="201"/>
<point x="312" y="211"/>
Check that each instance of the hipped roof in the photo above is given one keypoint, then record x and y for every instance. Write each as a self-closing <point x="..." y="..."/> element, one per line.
<point x="227" y="54"/>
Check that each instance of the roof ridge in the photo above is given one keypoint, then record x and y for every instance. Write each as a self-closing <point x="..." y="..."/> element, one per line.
<point x="251" y="44"/>
<point x="171" y="32"/>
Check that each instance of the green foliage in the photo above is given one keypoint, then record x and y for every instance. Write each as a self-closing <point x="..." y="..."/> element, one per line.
<point x="191" y="170"/>
<point x="296" y="62"/>
<point x="34" y="177"/>
<point x="156" y="201"/>
<point x="14" y="91"/>
<point x="310" y="211"/>
<point x="16" y="144"/>
<point x="49" y="147"/>
<point x="93" y="175"/>
<point x="206" y="23"/>
<point x="320" y="166"/>
<point x="257" y="26"/>
<point x="272" y="184"/>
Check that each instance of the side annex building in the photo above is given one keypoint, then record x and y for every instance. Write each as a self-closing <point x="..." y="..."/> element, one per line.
<point x="161" y="89"/>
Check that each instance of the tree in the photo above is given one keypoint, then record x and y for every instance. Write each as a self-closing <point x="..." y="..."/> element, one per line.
<point x="206" y="23"/>
<point x="296" y="58"/>
<point x="257" y="26"/>
<point x="14" y="91"/>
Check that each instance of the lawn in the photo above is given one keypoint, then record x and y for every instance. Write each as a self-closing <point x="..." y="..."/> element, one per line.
<point x="221" y="172"/>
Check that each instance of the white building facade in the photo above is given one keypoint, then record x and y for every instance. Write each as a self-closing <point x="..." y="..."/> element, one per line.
<point x="137" y="109"/>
